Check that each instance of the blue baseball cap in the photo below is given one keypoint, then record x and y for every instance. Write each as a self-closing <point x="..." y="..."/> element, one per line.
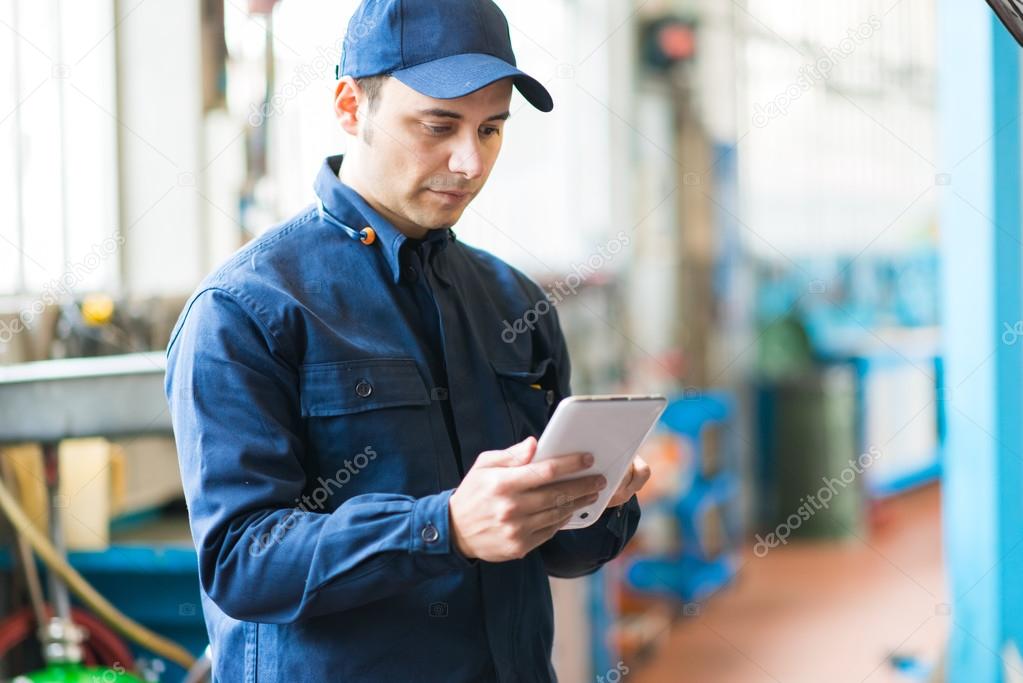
<point x="440" y="48"/>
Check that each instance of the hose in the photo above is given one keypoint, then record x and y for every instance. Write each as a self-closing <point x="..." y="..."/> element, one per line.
<point x="80" y="587"/>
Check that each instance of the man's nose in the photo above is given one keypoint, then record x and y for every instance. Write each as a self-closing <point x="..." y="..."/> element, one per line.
<point x="467" y="158"/>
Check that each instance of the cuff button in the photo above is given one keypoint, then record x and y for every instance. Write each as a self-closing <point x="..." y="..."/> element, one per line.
<point x="429" y="533"/>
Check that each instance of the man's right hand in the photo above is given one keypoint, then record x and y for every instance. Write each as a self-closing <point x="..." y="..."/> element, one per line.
<point x="507" y="505"/>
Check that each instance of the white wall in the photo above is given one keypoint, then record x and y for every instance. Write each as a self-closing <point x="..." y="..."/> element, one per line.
<point x="160" y="138"/>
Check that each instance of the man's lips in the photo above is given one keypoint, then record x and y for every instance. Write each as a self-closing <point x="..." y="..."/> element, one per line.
<point x="453" y="194"/>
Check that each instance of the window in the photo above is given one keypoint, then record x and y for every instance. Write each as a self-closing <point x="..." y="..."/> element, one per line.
<point x="58" y="136"/>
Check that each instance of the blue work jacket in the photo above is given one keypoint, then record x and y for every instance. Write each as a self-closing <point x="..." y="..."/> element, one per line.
<point x="328" y="395"/>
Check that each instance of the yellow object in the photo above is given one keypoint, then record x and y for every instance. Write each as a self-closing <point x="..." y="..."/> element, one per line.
<point x="97" y="309"/>
<point x="26" y="462"/>
<point x="84" y="494"/>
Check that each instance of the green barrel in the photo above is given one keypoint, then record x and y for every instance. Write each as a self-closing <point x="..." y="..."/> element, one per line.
<point x="818" y="480"/>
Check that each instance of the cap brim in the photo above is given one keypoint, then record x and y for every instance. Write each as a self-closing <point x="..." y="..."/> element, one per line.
<point x="459" y="75"/>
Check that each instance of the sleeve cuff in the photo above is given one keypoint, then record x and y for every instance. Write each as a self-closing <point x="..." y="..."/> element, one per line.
<point x="619" y="517"/>
<point x="431" y="530"/>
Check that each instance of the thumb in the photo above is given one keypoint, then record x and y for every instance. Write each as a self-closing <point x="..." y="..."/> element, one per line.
<point x="513" y="456"/>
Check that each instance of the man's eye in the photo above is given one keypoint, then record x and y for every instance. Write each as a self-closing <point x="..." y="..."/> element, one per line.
<point x="436" y="130"/>
<point x="489" y="131"/>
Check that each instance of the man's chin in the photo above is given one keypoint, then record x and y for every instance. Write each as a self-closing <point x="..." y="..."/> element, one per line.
<point x="428" y="215"/>
<point x="441" y="221"/>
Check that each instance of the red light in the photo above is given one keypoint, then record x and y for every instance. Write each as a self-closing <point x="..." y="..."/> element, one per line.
<point x="677" y="42"/>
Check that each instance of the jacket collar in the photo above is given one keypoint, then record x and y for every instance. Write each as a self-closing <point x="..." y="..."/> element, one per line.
<point x="348" y="207"/>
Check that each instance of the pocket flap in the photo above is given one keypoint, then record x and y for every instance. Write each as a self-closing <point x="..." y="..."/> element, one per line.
<point x="525" y="373"/>
<point x="349" y="387"/>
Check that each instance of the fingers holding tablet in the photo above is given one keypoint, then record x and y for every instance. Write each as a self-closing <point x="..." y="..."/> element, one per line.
<point x="536" y="474"/>
<point x="636" y="478"/>
<point x="505" y="504"/>
<point x="512" y="500"/>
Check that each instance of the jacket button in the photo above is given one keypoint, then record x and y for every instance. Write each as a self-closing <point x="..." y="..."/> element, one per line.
<point x="363" y="388"/>
<point x="411" y="274"/>
<point x="550" y="397"/>
<point x="440" y="394"/>
<point x="430" y="533"/>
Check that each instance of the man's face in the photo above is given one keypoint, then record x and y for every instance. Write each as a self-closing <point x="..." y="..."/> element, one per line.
<point x="423" y="160"/>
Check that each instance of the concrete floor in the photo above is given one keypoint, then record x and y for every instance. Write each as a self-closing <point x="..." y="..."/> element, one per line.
<point x="814" y="612"/>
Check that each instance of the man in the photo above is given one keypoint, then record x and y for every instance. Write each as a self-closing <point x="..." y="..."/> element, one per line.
<point x="355" y="434"/>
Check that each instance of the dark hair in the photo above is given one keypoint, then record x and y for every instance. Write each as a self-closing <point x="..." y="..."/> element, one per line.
<point x="372" y="85"/>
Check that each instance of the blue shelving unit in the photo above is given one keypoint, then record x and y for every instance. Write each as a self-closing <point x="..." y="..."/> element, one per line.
<point x="707" y="514"/>
<point x="704" y="516"/>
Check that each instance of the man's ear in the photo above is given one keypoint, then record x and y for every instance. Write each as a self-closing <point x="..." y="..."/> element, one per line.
<point x="347" y="98"/>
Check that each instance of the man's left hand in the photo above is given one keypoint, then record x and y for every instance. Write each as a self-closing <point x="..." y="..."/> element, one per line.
<point x="635" y="479"/>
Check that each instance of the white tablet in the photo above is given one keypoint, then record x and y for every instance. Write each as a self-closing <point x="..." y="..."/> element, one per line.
<point x="612" y="428"/>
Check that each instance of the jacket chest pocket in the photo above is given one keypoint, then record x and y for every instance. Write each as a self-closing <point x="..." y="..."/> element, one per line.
<point x="367" y="427"/>
<point x="529" y="394"/>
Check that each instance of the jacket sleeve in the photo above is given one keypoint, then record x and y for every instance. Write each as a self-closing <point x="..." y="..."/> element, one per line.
<point x="262" y="555"/>
<point x="577" y="552"/>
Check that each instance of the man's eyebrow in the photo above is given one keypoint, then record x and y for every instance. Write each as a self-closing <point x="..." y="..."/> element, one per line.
<point x="440" y="113"/>
<point x="448" y="114"/>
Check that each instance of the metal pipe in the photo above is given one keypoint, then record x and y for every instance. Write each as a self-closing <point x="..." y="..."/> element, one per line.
<point x="58" y="590"/>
